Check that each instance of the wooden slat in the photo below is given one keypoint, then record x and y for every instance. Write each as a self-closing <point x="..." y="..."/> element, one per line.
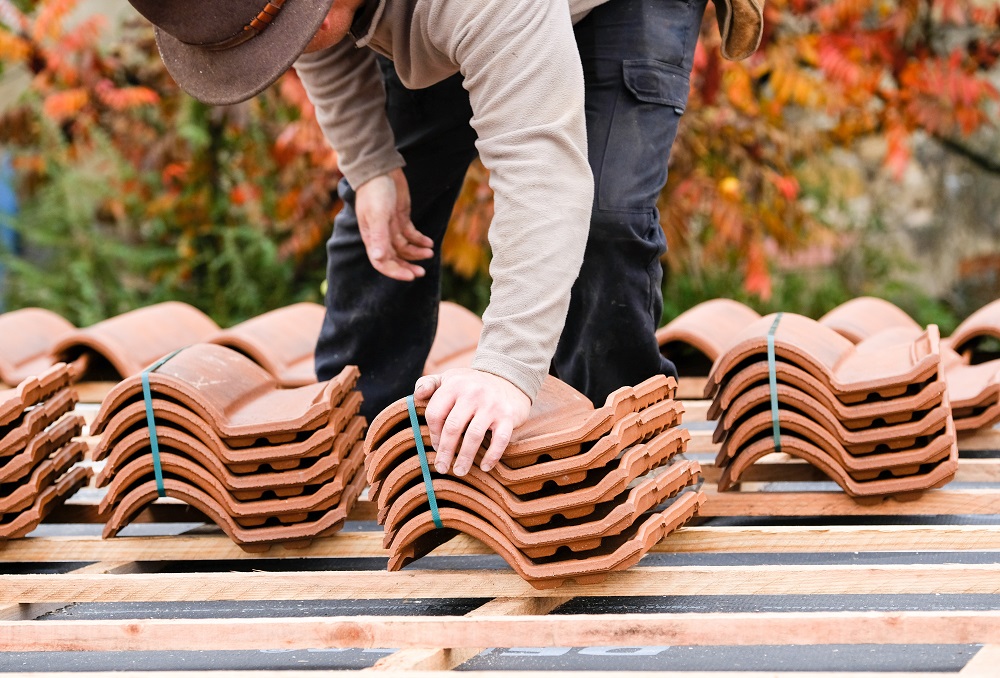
<point x="445" y="659"/>
<point x="482" y="674"/>
<point x="652" y="581"/>
<point x="988" y="439"/>
<point x="788" y="504"/>
<point x="632" y="630"/>
<point x="777" y="539"/>
<point x="28" y="611"/>
<point x="695" y="410"/>
<point x="94" y="391"/>
<point x="985" y="663"/>
<point x="691" y="388"/>
<point x="773" y="470"/>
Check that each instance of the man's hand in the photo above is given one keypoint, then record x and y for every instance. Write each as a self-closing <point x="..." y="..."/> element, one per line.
<point x="464" y="405"/>
<point x="391" y="240"/>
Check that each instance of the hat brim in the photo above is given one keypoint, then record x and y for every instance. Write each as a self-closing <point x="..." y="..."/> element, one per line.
<point x="222" y="77"/>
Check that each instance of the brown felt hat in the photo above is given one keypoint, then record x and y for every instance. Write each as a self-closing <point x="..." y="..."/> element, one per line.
<point x="226" y="51"/>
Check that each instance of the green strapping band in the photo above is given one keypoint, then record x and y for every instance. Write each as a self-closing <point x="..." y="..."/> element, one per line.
<point x="154" y="442"/>
<point x="424" y="467"/>
<point x="773" y="380"/>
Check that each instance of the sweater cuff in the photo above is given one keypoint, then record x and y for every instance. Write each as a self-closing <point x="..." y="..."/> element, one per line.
<point x="514" y="371"/>
<point x="358" y="173"/>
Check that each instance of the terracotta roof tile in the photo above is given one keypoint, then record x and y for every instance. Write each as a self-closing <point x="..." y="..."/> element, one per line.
<point x="854" y="373"/>
<point x="40" y="447"/>
<point x="21" y="494"/>
<point x="709" y="328"/>
<point x="282" y="341"/>
<point x="419" y="536"/>
<point x="864" y="317"/>
<point x="456" y="339"/>
<point x="17" y="525"/>
<point x="239" y="399"/>
<point x="252" y="539"/>
<point x="18" y="433"/>
<point x="27" y="339"/>
<point x="32" y="391"/>
<point x="132" y="341"/>
<point x="984" y="323"/>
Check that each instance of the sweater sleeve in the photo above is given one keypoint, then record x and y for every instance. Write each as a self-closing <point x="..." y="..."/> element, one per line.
<point x="522" y="69"/>
<point x="344" y="84"/>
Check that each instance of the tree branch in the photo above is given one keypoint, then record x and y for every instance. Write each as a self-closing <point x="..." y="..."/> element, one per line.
<point x="988" y="163"/>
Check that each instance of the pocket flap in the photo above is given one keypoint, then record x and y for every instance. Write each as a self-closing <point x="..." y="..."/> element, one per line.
<point x="657" y="82"/>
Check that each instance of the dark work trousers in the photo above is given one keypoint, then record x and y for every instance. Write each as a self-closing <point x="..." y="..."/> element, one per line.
<point x="637" y="57"/>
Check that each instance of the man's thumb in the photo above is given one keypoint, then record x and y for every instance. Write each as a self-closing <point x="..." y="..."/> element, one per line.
<point x="426" y="386"/>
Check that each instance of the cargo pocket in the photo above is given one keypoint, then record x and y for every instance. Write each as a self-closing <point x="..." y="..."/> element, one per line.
<point x="642" y="130"/>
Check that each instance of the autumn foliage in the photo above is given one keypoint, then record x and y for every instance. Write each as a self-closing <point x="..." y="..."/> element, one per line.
<point x="231" y="194"/>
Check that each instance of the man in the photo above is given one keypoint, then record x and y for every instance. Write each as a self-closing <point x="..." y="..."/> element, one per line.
<point x="572" y="105"/>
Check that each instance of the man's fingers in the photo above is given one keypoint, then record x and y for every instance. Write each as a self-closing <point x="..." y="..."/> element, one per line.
<point x="471" y="442"/>
<point x="413" y="236"/>
<point x="437" y="412"/>
<point x="451" y="435"/>
<point x="502" y="432"/>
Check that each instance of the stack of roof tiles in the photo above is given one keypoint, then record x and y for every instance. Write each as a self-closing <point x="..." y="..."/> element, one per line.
<point x="268" y="465"/>
<point x="579" y="492"/>
<point x="699" y="336"/>
<point x="37" y="450"/>
<point x="281" y="341"/>
<point x="973" y="379"/>
<point x="874" y="416"/>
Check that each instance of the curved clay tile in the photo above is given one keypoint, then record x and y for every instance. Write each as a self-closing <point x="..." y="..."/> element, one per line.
<point x="575" y="501"/>
<point x="564" y="471"/>
<point x="579" y="536"/>
<point x="32" y="391"/>
<point x="938" y="475"/>
<point x="321" y="469"/>
<point x="27" y="339"/>
<point x="20" y="495"/>
<point x="456" y="339"/>
<point x="16" y="435"/>
<point x="864" y="317"/>
<point x="250" y="539"/>
<point x="40" y="447"/>
<point x="983" y="324"/>
<point x="975" y="418"/>
<point x="620" y="553"/>
<point x="857" y="441"/>
<point x="343" y="422"/>
<point x="183" y="469"/>
<point x="932" y="448"/>
<point x="860" y="415"/>
<point x="237" y="397"/>
<point x="18" y="525"/>
<point x="282" y="341"/>
<point x="709" y="328"/>
<point x="974" y="391"/>
<point x="132" y="341"/>
<point x="853" y="373"/>
<point x="561" y="419"/>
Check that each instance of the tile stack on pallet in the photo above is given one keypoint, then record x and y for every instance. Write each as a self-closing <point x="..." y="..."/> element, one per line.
<point x="38" y="452"/>
<point x="579" y="493"/>
<point x="874" y="417"/>
<point x="268" y="465"/>
<point x="973" y="389"/>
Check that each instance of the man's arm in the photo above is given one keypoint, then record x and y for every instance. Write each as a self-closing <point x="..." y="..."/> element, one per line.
<point x="522" y="69"/>
<point x="344" y="84"/>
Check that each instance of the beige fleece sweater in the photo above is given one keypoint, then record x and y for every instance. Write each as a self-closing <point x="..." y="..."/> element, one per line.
<point x="522" y="69"/>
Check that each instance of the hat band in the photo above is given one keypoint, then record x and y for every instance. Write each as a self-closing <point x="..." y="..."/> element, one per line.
<point x="252" y="29"/>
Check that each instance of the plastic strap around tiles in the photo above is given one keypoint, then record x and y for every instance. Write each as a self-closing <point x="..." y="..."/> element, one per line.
<point x="154" y="442"/>
<point x="773" y="381"/>
<point x="424" y="467"/>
